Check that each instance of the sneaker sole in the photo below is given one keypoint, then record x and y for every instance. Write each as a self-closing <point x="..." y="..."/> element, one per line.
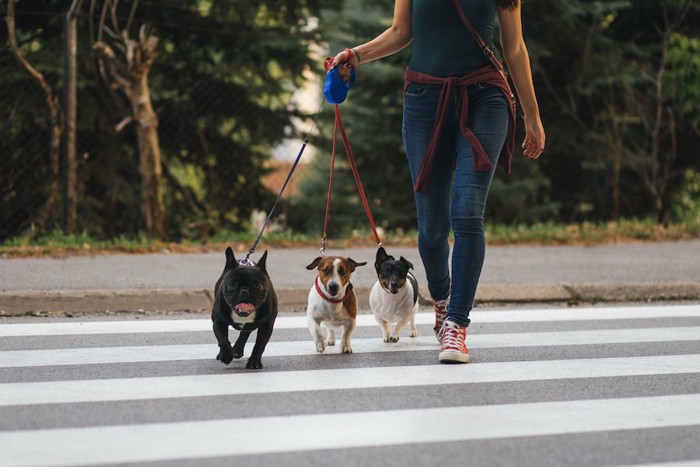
<point x="453" y="356"/>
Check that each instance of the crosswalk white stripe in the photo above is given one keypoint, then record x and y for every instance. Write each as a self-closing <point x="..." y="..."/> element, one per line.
<point x="247" y="382"/>
<point x="170" y="441"/>
<point x="694" y="463"/>
<point x="158" y="353"/>
<point x="297" y="322"/>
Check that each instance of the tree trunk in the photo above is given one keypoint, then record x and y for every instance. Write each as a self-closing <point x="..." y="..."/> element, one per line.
<point x="129" y="74"/>
<point x="55" y="119"/>
<point x="149" y="157"/>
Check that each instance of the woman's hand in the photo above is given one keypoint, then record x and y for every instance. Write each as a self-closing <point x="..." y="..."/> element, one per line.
<point x="394" y="38"/>
<point x="533" y="144"/>
<point x="347" y="56"/>
<point x="518" y="60"/>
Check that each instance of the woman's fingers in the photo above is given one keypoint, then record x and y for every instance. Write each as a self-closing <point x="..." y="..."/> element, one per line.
<point x="531" y="148"/>
<point x="340" y="57"/>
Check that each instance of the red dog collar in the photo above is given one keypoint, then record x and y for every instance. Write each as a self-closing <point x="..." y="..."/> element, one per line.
<point x="348" y="291"/>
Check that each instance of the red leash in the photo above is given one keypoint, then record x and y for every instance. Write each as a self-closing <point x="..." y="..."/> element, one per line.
<point x="338" y="125"/>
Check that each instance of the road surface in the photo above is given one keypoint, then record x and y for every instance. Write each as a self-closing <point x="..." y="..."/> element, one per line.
<point x="546" y="386"/>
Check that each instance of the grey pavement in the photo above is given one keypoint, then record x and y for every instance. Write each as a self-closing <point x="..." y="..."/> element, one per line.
<point x="632" y="272"/>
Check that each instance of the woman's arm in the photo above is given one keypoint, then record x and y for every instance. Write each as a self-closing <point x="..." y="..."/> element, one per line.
<point x="518" y="60"/>
<point x="395" y="38"/>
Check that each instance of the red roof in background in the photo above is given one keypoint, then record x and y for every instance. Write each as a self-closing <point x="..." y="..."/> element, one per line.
<point x="275" y="179"/>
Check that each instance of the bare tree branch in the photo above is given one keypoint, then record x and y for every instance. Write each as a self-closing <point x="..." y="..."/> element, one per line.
<point x="131" y="16"/>
<point x="115" y="20"/>
<point x="55" y="117"/>
<point x="103" y="17"/>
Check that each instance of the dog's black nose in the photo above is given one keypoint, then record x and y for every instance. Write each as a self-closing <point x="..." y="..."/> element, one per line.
<point x="245" y="293"/>
<point x="333" y="289"/>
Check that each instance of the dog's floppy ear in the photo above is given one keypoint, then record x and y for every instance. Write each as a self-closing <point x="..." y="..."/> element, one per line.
<point x="261" y="262"/>
<point x="406" y="262"/>
<point x="314" y="263"/>
<point x="354" y="264"/>
<point x="231" y="262"/>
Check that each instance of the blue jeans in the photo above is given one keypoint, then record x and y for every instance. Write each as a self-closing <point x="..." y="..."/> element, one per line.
<point x="456" y="197"/>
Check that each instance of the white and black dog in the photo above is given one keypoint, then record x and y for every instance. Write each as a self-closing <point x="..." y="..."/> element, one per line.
<point x="394" y="297"/>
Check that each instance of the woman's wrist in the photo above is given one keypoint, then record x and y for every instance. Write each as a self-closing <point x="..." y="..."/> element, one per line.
<point x="351" y="54"/>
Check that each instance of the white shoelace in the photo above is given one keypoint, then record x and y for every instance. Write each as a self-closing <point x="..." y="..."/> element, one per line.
<point x="440" y="316"/>
<point x="453" y="336"/>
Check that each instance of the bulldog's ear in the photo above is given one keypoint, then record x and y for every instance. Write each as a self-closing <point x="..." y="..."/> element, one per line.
<point x="314" y="263"/>
<point x="354" y="264"/>
<point x="261" y="262"/>
<point x="406" y="262"/>
<point x="231" y="262"/>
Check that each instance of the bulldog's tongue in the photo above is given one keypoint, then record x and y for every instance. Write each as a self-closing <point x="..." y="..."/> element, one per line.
<point x="245" y="308"/>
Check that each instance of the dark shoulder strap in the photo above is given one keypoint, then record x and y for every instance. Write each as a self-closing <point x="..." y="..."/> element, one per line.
<point x="477" y="37"/>
<point x="484" y="48"/>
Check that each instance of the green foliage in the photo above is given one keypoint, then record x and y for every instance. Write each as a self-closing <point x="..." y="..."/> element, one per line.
<point x="684" y="75"/>
<point x="522" y="198"/>
<point x="372" y="118"/>
<point x="221" y="86"/>
<point x="24" y="122"/>
<point x="596" y="94"/>
<point x="687" y="199"/>
<point x="607" y="152"/>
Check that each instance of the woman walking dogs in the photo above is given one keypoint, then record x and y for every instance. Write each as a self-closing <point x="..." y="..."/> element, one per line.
<point x="458" y="125"/>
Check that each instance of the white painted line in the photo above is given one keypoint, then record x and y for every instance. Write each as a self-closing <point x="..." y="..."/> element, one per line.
<point x="693" y="463"/>
<point x="161" y="353"/>
<point x="299" y="322"/>
<point x="239" y="381"/>
<point x="255" y="436"/>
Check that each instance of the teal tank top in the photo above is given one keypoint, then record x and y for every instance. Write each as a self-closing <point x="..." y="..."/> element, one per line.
<point x="442" y="45"/>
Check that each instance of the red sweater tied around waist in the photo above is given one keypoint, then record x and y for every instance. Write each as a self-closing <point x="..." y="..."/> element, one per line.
<point x="450" y="85"/>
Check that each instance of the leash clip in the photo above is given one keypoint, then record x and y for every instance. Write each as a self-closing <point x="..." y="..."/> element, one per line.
<point x="324" y="242"/>
<point x="247" y="261"/>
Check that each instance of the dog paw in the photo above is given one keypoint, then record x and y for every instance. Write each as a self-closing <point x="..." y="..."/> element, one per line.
<point x="237" y="352"/>
<point x="347" y="349"/>
<point x="254" y="364"/>
<point x="414" y="333"/>
<point x="320" y="347"/>
<point x="330" y="342"/>
<point x="392" y="339"/>
<point x="225" y="355"/>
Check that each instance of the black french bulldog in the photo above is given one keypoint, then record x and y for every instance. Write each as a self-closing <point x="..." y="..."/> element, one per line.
<point x="243" y="298"/>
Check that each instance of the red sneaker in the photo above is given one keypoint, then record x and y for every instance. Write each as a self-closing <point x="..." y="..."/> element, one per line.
<point x="453" y="348"/>
<point x="440" y="308"/>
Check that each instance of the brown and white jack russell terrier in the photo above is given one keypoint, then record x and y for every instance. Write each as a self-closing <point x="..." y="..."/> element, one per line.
<point x="332" y="301"/>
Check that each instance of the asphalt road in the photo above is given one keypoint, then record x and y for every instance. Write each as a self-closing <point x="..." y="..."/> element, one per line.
<point x="516" y="275"/>
<point x="546" y="387"/>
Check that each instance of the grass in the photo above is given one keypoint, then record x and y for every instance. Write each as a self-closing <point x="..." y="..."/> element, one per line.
<point x="588" y="233"/>
<point x="57" y="244"/>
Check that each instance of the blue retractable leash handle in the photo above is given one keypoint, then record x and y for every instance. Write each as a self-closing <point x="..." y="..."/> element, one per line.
<point x="338" y="80"/>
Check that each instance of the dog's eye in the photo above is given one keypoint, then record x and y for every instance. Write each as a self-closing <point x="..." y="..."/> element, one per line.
<point x="257" y="286"/>
<point x="384" y="274"/>
<point x="341" y="271"/>
<point x="326" y="271"/>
